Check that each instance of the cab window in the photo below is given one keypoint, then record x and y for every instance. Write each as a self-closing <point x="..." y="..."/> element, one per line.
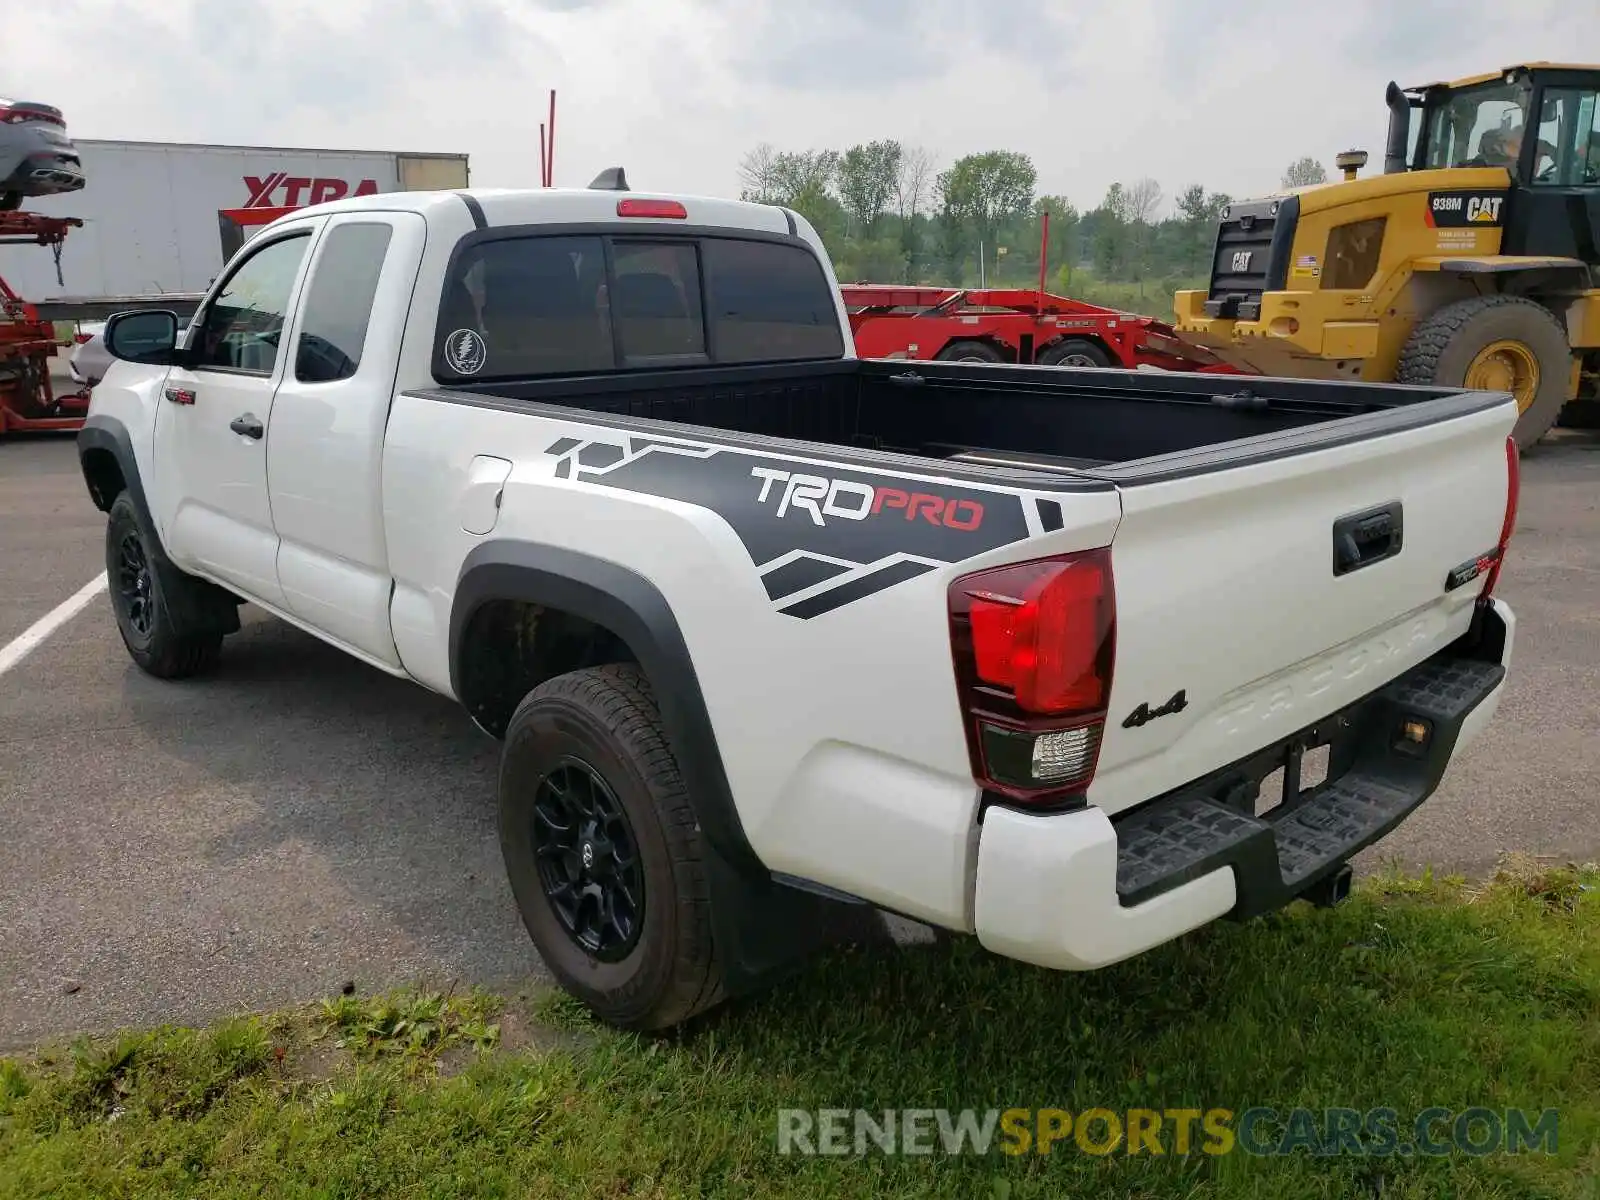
<point x="243" y="327"/>
<point x="1477" y="127"/>
<point x="338" y="304"/>
<point x="657" y="303"/>
<point x="1569" y="139"/>
<point x="558" y="304"/>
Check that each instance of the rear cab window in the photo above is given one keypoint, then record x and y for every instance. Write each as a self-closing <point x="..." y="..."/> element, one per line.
<point x="339" y="299"/>
<point x="533" y="304"/>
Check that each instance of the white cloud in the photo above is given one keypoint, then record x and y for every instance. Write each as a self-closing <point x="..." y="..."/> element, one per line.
<point x="1224" y="93"/>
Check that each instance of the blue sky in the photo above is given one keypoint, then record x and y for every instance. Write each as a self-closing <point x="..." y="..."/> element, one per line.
<point x="1221" y="92"/>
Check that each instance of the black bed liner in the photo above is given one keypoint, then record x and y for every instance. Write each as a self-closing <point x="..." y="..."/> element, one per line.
<point x="1108" y="426"/>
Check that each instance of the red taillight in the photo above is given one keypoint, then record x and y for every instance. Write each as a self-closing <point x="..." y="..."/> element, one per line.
<point x="1513" y="495"/>
<point x="18" y="113"/>
<point x="652" y="208"/>
<point x="1033" y="645"/>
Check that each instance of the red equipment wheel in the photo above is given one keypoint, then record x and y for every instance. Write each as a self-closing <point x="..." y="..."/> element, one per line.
<point x="1075" y="352"/>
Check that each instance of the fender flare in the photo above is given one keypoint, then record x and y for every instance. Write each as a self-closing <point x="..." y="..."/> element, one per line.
<point x="102" y="433"/>
<point x="200" y="602"/>
<point x="631" y="607"/>
<point x="761" y="924"/>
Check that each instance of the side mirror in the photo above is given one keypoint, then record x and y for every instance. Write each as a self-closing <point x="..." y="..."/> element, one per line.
<point x="143" y="337"/>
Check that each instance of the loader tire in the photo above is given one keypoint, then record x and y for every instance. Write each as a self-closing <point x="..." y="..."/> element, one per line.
<point x="154" y="603"/>
<point x="970" y="351"/>
<point x="604" y="851"/>
<point x="1498" y="343"/>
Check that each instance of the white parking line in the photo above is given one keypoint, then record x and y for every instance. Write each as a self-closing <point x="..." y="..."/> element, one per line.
<point x="35" y="635"/>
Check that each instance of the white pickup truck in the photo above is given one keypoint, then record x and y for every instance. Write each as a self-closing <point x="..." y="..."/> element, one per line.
<point x="1052" y="657"/>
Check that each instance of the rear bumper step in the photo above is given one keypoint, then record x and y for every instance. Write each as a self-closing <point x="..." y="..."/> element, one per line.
<point x="1387" y="754"/>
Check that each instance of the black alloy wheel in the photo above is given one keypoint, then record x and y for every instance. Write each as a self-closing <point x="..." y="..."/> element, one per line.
<point x="135" y="588"/>
<point x="588" y="860"/>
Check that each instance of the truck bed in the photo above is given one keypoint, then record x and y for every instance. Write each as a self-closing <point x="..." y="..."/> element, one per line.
<point x="1124" y="425"/>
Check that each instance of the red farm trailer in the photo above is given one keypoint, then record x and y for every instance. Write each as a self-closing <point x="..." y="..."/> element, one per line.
<point x="1015" y="325"/>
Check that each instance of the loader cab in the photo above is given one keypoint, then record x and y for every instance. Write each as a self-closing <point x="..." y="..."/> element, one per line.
<point x="1540" y="123"/>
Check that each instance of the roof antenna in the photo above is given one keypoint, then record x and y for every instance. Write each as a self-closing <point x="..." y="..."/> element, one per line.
<point x="612" y="179"/>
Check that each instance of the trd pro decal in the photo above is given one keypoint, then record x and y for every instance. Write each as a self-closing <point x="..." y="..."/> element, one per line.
<point x="819" y="535"/>
<point x="824" y="497"/>
<point x="1465" y="209"/>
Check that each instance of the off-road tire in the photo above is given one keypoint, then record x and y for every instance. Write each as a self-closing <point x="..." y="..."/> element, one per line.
<point x="970" y="351"/>
<point x="168" y="642"/>
<point x="1052" y="356"/>
<point x="607" y="718"/>
<point x="1444" y="343"/>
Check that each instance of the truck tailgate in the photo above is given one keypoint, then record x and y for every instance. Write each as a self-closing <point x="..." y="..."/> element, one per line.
<point x="1233" y="589"/>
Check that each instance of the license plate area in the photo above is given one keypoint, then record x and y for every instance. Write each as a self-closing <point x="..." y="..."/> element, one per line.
<point x="1273" y="782"/>
<point x="1302" y="768"/>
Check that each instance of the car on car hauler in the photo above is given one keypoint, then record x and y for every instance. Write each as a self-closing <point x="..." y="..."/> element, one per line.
<point x="772" y="633"/>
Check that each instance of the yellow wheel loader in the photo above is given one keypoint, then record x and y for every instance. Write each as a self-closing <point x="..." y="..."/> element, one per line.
<point x="1471" y="261"/>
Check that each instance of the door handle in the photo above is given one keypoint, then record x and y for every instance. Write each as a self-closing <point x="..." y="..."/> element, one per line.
<point x="179" y="395"/>
<point x="249" y="426"/>
<point x="1367" y="537"/>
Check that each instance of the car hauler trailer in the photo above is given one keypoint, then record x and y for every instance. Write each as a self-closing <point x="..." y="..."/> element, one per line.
<point x="1016" y="325"/>
<point x="160" y="218"/>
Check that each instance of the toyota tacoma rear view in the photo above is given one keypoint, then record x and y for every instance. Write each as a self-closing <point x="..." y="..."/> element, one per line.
<point x="1074" y="661"/>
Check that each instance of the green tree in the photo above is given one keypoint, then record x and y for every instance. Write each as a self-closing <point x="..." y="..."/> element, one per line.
<point x="1142" y="201"/>
<point x="867" y="177"/>
<point x="983" y="190"/>
<point x="801" y="180"/>
<point x="1198" y="213"/>
<point x="885" y="213"/>
<point x="1304" y="171"/>
<point x="1062" y="248"/>
<point x="758" y="176"/>
<point x="913" y="181"/>
<point x="1111" y="233"/>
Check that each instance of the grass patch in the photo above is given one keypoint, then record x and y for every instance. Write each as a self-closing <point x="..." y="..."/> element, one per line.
<point x="412" y="1028"/>
<point x="1418" y="993"/>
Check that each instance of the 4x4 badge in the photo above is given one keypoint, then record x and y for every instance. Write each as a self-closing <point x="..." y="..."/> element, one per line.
<point x="1144" y="714"/>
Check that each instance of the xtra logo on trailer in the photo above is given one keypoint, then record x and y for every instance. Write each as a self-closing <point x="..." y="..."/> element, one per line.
<point x="282" y="190"/>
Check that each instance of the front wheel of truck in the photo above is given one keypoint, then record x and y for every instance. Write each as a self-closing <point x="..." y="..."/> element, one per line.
<point x="604" y="852"/>
<point x="148" y="600"/>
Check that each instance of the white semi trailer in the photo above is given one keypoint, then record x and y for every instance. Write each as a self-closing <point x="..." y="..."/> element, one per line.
<point x="160" y="218"/>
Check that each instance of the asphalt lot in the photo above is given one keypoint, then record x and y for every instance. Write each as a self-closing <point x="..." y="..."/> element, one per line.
<point x="171" y="852"/>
